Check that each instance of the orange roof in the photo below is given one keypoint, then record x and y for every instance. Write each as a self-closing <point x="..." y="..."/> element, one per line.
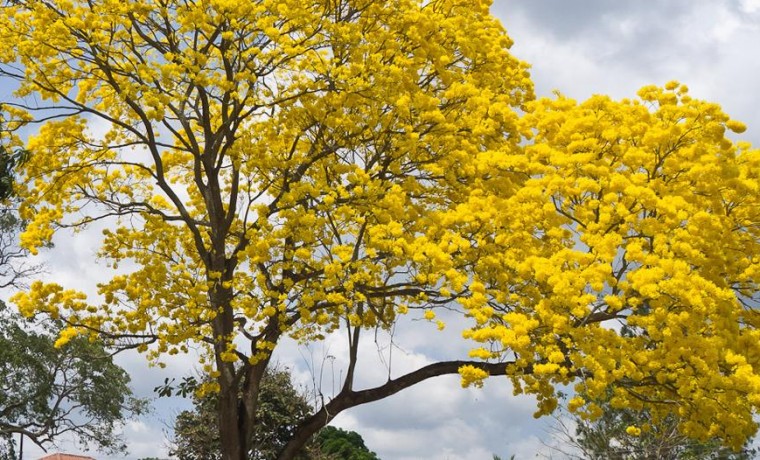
<point x="65" y="457"/>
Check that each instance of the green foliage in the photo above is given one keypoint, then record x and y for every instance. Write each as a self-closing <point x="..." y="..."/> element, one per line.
<point x="47" y="391"/>
<point x="340" y="444"/>
<point x="9" y="159"/>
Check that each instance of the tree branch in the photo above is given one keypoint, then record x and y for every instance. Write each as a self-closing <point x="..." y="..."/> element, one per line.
<point x="348" y="398"/>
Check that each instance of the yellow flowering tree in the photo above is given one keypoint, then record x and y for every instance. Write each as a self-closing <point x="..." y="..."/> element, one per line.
<point x="264" y="168"/>
<point x="627" y="262"/>
<point x="276" y="168"/>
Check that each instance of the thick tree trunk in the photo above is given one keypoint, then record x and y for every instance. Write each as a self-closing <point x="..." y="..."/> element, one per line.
<point x="237" y="411"/>
<point x="232" y="439"/>
<point x="239" y="388"/>
<point x="231" y="418"/>
<point x="230" y="425"/>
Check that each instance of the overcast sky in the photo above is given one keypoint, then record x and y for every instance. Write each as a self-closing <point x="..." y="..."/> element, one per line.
<point x="580" y="48"/>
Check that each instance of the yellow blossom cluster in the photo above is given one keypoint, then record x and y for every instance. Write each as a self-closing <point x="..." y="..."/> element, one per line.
<point x="628" y="259"/>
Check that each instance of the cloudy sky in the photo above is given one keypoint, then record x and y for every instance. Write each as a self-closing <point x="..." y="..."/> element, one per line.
<point x="580" y="48"/>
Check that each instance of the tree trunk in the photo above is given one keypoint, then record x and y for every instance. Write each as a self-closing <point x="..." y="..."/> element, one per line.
<point x="230" y="416"/>
<point x="232" y="439"/>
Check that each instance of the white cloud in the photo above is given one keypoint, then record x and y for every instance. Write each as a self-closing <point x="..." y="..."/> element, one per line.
<point x="725" y="28"/>
<point x="750" y="6"/>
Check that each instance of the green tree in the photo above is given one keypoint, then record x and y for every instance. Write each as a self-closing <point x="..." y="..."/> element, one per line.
<point x="48" y="391"/>
<point x="340" y="444"/>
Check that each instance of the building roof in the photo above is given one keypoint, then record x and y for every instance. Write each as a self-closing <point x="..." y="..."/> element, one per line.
<point x="60" y="456"/>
